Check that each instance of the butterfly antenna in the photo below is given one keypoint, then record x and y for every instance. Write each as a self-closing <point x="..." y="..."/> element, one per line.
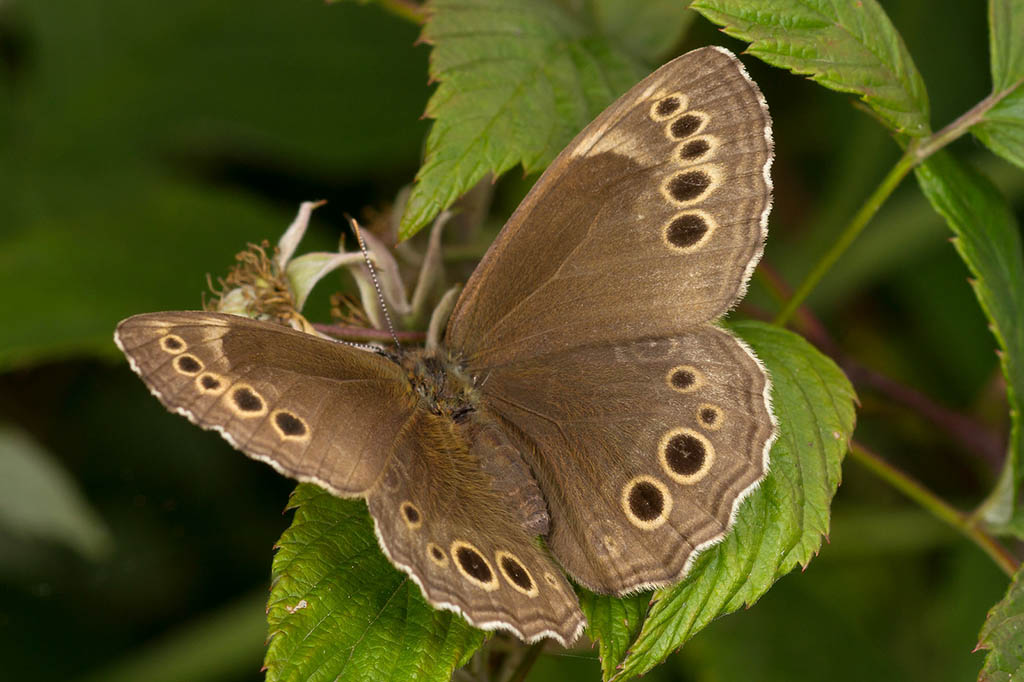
<point x="376" y="283"/>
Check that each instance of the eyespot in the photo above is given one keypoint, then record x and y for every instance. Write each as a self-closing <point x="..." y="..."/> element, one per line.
<point x="685" y="455"/>
<point x="685" y="187"/>
<point x="473" y="565"/>
<point x="668" y="106"/>
<point x="646" y="502"/>
<point x="172" y="343"/>
<point x="188" y="364"/>
<point x="210" y="383"/>
<point x="437" y="555"/>
<point x="710" y="416"/>
<point x="684" y="378"/>
<point x="244" y="401"/>
<point x="411" y="515"/>
<point x="517" y="575"/>
<point x="686" y="125"/>
<point x="289" y="426"/>
<point x="688" y="231"/>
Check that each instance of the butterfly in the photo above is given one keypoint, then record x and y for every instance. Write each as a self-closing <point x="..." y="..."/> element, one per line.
<point x="585" y="413"/>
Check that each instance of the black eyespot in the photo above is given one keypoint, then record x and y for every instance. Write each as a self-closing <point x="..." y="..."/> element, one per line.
<point x="686" y="230"/>
<point x="188" y="364"/>
<point x="473" y="564"/>
<point x="436" y="552"/>
<point x="412" y="514"/>
<point x="289" y="424"/>
<point x="646" y="501"/>
<point x="246" y="400"/>
<point x="173" y="343"/>
<point x="709" y="415"/>
<point x="685" y="454"/>
<point x="667" y="106"/>
<point x="209" y="383"/>
<point x="516" y="573"/>
<point x="688" y="185"/>
<point x="684" y="126"/>
<point x="683" y="378"/>
<point x="694" y="150"/>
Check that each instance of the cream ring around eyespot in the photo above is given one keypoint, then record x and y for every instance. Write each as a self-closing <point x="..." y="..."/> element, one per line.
<point x="245" y="401"/>
<point x="501" y="557"/>
<point x="688" y="231"/>
<point x="686" y="124"/>
<point x="209" y="383"/>
<point x="172" y="343"/>
<point x="691" y="185"/>
<point x="659" y="103"/>
<point x="411" y="514"/>
<point x="710" y="417"/>
<point x="462" y="552"/>
<point x="187" y="364"/>
<point x="686" y="455"/>
<point x="646" y="502"/>
<point x="289" y="426"/>
<point x="686" y="152"/>
<point x="685" y="379"/>
<point x="437" y="555"/>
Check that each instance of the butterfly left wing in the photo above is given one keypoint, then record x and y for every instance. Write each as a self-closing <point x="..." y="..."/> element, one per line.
<point x="454" y="528"/>
<point x="313" y="409"/>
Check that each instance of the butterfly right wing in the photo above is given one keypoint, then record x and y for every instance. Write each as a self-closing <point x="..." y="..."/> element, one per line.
<point x="315" y="410"/>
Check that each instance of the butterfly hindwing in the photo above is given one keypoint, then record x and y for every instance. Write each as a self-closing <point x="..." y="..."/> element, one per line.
<point x="441" y="519"/>
<point x="650" y="465"/>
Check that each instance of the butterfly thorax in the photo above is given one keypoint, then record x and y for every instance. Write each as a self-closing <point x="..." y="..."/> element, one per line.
<point x="448" y="391"/>
<point x="441" y="383"/>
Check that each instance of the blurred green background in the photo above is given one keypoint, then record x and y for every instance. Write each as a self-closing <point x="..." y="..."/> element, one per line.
<point x="142" y="145"/>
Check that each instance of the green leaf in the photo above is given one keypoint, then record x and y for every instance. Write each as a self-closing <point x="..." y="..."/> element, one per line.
<point x="1003" y="637"/>
<point x="518" y="78"/>
<point x="845" y="46"/>
<point x="614" y="624"/>
<point x="1002" y="128"/>
<point x="38" y="498"/>
<point x="1006" y="27"/>
<point x="988" y="241"/>
<point x="647" y="30"/>
<point x="782" y="523"/>
<point x="339" y="610"/>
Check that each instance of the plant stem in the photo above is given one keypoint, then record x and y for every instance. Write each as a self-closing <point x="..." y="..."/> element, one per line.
<point x="916" y="151"/>
<point x="849" y="233"/>
<point x="405" y="9"/>
<point x="936" y="505"/>
<point x="529" y="658"/>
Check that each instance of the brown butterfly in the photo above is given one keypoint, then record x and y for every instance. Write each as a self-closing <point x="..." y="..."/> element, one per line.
<point x="583" y="392"/>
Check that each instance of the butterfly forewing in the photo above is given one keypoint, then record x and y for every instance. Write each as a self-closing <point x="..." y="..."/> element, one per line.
<point x="315" y="410"/>
<point x="647" y="224"/>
